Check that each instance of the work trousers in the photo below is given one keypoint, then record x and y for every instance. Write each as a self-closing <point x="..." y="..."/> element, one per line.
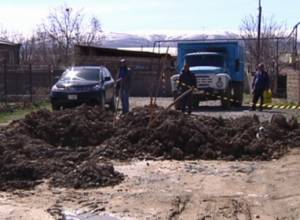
<point x="124" y="100"/>
<point x="187" y="101"/>
<point x="258" y="94"/>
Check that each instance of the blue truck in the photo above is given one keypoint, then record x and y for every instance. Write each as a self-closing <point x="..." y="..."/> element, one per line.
<point x="219" y="70"/>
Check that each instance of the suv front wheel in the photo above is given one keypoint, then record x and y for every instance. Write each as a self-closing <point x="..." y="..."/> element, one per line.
<point x="101" y="101"/>
<point x="55" y="107"/>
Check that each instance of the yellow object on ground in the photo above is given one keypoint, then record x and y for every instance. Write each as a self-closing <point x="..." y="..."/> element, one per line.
<point x="268" y="96"/>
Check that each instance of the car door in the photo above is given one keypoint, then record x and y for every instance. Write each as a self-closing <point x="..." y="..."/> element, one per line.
<point x="108" y="84"/>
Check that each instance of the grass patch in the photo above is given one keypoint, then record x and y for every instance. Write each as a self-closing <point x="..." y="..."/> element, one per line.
<point x="19" y="113"/>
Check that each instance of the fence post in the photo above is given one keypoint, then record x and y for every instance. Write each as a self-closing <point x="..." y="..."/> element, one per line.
<point x="49" y="77"/>
<point x="277" y="67"/>
<point x="5" y="81"/>
<point x="30" y="83"/>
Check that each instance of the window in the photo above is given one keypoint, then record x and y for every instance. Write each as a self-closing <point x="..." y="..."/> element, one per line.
<point x="81" y="73"/>
<point x="205" y="60"/>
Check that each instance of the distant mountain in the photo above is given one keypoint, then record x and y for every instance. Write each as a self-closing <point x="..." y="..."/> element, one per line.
<point x="117" y="40"/>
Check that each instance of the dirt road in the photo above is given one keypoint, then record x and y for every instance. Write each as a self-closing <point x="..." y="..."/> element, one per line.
<point x="174" y="190"/>
<point x="169" y="189"/>
<point x="213" y="109"/>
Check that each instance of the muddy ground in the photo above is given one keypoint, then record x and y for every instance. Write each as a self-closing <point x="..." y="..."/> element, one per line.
<point x="49" y="155"/>
<point x="173" y="190"/>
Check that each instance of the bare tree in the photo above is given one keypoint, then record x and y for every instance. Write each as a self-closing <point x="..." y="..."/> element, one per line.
<point x="274" y="45"/>
<point x="3" y="33"/>
<point x="26" y="46"/>
<point x="66" y="27"/>
<point x="92" y="34"/>
<point x="271" y="31"/>
<point x="27" y="49"/>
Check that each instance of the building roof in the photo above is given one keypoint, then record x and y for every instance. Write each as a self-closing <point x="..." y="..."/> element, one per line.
<point x="162" y="50"/>
<point x="92" y="50"/>
<point x="203" y="53"/>
<point x="5" y="42"/>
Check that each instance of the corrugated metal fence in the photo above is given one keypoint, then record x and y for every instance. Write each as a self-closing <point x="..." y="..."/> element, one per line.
<point x="26" y="81"/>
<point x="32" y="82"/>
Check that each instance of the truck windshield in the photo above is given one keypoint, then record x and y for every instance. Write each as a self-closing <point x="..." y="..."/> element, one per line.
<point x="81" y="74"/>
<point x="205" y="60"/>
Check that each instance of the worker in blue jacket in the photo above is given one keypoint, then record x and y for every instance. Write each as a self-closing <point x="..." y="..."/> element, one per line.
<point x="124" y="85"/>
<point x="259" y="85"/>
<point x="187" y="80"/>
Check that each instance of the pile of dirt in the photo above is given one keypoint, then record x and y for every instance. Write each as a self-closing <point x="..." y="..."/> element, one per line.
<point x="82" y="126"/>
<point x="178" y="136"/>
<point x="56" y="145"/>
<point x="72" y="147"/>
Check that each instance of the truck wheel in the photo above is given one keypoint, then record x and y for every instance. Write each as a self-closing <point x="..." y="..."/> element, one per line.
<point x="55" y="107"/>
<point x="225" y="101"/>
<point x="238" y="96"/>
<point x="102" y="101"/>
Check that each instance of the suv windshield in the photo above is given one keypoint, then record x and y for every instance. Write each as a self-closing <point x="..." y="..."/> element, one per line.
<point x="205" y="60"/>
<point x="81" y="74"/>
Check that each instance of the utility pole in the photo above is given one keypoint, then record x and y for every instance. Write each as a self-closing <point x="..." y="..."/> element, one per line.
<point x="258" y="32"/>
<point x="295" y="50"/>
<point x="67" y="20"/>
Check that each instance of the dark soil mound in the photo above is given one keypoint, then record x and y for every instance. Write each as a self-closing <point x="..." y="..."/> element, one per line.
<point x="82" y="126"/>
<point x="178" y="136"/>
<point x="71" y="147"/>
<point x="56" y="145"/>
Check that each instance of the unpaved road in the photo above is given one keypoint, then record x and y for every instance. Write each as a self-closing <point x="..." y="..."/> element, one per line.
<point x="175" y="189"/>
<point x="213" y="109"/>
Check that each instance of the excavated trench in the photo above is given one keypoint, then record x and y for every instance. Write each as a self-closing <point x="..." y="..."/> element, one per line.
<point x="74" y="147"/>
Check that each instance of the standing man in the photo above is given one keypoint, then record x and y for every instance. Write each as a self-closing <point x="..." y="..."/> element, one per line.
<point x="187" y="80"/>
<point x="124" y="85"/>
<point x="259" y="85"/>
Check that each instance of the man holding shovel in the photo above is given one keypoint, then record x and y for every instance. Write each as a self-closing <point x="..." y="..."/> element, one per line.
<point x="187" y="80"/>
<point x="123" y="85"/>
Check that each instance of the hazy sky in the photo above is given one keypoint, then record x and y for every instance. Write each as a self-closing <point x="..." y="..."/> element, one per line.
<point x="152" y="16"/>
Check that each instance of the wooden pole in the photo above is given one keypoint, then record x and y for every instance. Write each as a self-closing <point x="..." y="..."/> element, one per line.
<point x="151" y="122"/>
<point x="5" y="81"/>
<point x="153" y="100"/>
<point x="160" y="74"/>
<point x="30" y="83"/>
<point x="258" y="32"/>
<point x="117" y="104"/>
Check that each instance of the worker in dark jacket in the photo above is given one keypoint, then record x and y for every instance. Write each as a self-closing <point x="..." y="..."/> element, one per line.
<point x="259" y="85"/>
<point x="187" y="80"/>
<point x="124" y="85"/>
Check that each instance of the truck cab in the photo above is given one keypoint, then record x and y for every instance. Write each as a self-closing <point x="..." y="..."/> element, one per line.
<point x="218" y="68"/>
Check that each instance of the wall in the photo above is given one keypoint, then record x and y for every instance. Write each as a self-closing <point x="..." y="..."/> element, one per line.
<point x="293" y="86"/>
<point x="9" y="54"/>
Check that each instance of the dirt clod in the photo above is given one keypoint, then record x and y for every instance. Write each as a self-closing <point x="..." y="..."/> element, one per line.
<point x="88" y="174"/>
<point x="280" y="121"/>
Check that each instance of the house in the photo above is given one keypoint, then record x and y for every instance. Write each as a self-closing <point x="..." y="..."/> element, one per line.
<point x="147" y="67"/>
<point x="9" y="52"/>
